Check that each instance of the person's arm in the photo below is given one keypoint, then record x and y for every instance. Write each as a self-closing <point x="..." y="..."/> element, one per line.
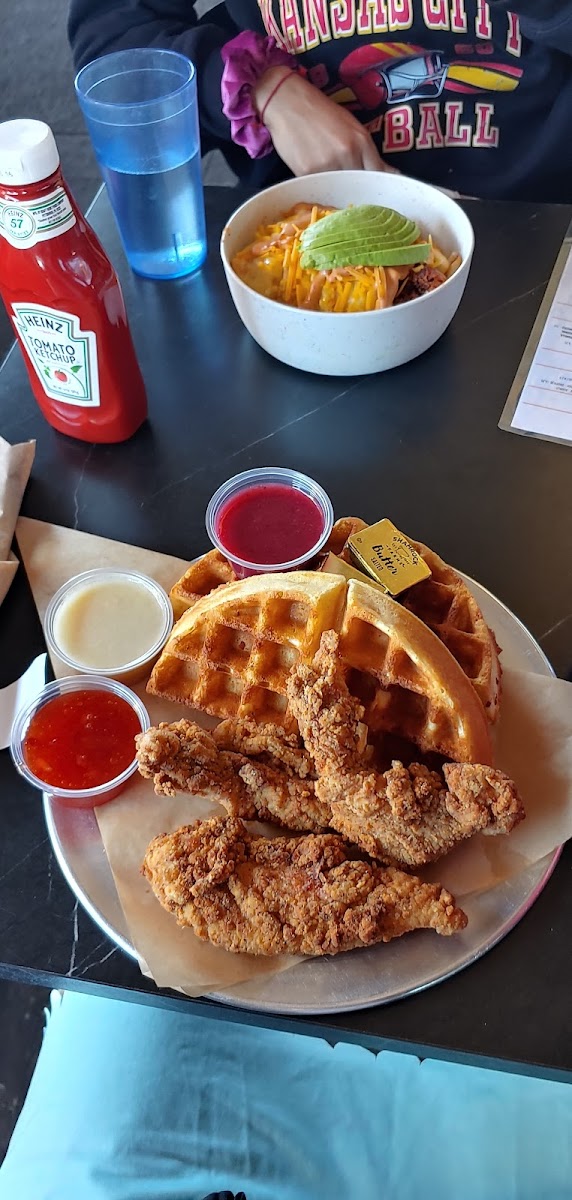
<point x="546" y="22"/>
<point x="97" y="27"/>
<point x="311" y="132"/>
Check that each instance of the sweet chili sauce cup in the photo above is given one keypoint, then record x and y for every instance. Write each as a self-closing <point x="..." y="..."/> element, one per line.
<point x="80" y="724"/>
<point x="269" y="519"/>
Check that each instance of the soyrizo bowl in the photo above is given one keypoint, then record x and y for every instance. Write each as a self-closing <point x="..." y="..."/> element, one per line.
<point x="351" y="343"/>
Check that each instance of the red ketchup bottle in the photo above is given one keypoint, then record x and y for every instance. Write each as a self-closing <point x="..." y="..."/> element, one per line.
<point x="63" y="296"/>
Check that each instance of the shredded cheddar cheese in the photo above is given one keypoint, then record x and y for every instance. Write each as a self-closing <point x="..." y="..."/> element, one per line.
<point x="271" y="266"/>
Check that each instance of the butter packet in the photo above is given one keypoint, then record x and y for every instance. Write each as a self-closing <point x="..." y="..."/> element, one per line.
<point x="387" y="556"/>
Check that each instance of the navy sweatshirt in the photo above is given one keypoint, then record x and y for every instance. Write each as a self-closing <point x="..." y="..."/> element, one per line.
<point x="464" y="93"/>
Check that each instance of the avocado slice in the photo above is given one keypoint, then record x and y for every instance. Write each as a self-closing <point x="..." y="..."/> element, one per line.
<point x="391" y="256"/>
<point x="365" y="235"/>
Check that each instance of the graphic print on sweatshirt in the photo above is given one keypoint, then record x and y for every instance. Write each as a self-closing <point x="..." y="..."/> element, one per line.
<point x="439" y="91"/>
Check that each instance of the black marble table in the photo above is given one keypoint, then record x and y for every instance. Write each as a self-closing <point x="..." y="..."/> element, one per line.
<point x="420" y="444"/>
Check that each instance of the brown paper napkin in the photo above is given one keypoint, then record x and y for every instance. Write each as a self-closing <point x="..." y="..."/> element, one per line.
<point x="15" y="466"/>
<point x="534" y="747"/>
<point x="7" y="572"/>
<point x="52" y="555"/>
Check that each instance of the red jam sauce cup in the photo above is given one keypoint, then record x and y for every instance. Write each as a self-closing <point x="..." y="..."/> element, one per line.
<point x="269" y="519"/>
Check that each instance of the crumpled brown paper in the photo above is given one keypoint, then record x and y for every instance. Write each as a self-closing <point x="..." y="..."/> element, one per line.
<point x="533" y="746"/>
<point x="15" y="466"/>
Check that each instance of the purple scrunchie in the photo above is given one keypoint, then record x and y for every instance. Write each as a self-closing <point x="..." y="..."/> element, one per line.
<point x="245" y="59"/>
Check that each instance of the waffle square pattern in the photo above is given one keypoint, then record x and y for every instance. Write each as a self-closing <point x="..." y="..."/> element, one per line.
<point x="201" y="577"/>
<point x="230" y="655"/>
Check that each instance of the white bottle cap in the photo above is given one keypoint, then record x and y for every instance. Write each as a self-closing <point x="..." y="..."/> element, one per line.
<point x="28" y="152"/>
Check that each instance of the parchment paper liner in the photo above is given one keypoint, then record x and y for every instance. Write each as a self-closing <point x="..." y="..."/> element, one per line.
<point x="533" y="745"/>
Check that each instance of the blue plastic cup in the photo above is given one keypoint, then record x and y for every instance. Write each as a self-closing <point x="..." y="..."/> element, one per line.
<point x="141" y="111"/>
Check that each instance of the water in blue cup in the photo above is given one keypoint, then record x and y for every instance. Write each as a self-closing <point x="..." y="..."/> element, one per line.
<point x="140" y="107"/>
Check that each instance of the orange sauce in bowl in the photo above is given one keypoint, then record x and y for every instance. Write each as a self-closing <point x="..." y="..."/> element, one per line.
<point x="81" y="739"/>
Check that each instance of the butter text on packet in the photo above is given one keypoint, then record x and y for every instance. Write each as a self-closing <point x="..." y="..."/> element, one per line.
<point x="388" y="557"/>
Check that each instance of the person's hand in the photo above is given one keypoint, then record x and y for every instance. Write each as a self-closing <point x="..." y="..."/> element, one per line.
<point x="309" y="131"/>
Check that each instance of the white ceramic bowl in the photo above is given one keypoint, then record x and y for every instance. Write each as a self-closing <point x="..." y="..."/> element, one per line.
<point x="351" y="343"/>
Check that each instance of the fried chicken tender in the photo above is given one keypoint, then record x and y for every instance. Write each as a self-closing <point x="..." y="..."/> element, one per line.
<point x="474" y="788"/>
<point x="182" y="757"/>
<point x="329" y="718"/>
<point x="270" y="744"/>
<point x="407" y="816"/>
<point x="309" y="895"/>
<point x="278" y="773"/>
<point x="284" y="799"/>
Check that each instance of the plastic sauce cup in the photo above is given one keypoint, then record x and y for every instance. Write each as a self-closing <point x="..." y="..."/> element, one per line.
<point x="272" y="508"/>
<point x="85" y="797"/>
<point x="127" y="669"/>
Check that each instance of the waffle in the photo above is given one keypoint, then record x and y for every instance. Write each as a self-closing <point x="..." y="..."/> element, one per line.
<point x="443" y="602"/>
<point x="342" y="530"/>
<point x="446" y="605"/>
<point x="406" y="679"/>
<point x="200" y="578"/>
<point x="231" y="653"/>
<point x="209" y="572"/>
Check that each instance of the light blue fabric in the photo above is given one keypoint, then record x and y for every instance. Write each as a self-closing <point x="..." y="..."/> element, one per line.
<point x="134" y="1103"/>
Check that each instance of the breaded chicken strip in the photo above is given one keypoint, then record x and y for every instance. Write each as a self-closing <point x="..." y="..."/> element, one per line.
<point x="182" y="757"/>
<point x="408" y="816"/>
<point x="309" y="895"/>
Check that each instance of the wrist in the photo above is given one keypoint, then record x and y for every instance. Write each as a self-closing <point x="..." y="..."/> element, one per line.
<point x="268" y="83"/>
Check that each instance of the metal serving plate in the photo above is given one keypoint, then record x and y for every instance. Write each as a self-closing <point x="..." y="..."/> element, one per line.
<point x="362" y="978"/>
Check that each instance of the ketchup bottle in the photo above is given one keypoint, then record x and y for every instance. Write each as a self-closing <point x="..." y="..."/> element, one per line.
<point x="63" y="296"/>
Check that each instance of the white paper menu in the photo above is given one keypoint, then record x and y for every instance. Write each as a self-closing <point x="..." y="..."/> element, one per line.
<point x="540" y="401"/>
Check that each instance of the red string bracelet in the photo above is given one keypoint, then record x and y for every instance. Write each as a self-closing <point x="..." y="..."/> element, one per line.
<point x="276" y="87"/>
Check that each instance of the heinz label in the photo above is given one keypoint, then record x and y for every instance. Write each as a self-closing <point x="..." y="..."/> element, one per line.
<point x="25" y="222"/>
<point x="63" y="355"/>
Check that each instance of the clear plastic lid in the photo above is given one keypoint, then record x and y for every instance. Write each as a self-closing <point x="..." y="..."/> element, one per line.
<point x="129" y="665"/>
<point x="268" y="475"/>
<point x="75" y="797"/>
<point x="28" y="152"/>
